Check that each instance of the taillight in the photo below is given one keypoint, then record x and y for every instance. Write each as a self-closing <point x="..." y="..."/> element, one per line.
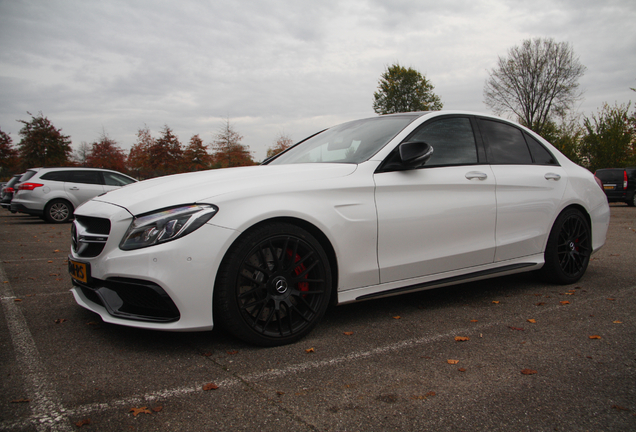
<point x="29" y="186"/>
<point x="599" y="183"/>
<point x="624" y="179"/>
<point x="9" y="190"/>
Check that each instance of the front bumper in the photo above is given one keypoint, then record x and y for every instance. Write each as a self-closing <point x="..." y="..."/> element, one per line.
<point x="166" y="287"/>
<point x="131" y="299"/>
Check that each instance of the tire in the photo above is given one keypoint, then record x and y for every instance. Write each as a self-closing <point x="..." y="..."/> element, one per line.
<point x="632" y="202"/>
<point x="264" y="296"/>
<point x="58" y="211"/>
<point x="569" y="247"/>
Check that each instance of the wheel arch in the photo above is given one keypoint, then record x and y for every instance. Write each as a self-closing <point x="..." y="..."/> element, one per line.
<point x="314" y="231"/>
<point x="581" y="209"/>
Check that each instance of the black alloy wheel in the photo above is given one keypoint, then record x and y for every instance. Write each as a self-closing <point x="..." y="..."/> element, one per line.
<point x="274" y="285"/>
<point x="569" y="248"/>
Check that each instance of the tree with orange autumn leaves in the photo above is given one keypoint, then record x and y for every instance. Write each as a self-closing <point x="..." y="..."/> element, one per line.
<point x="228" y="151"/>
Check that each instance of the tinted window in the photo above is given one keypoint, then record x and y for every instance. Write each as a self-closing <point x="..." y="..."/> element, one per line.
<point x="114" y="179"/>
<point x="606" y="175"/>
<point x="540" y="154"/>
<point x="89" y="177"/>
<point x="57" y="176"/>
<point x="505" y="143"/>
<point x="452" y="140"/>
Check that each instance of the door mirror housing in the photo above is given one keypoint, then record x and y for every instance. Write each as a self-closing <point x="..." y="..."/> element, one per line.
<point x="414" y="154"/>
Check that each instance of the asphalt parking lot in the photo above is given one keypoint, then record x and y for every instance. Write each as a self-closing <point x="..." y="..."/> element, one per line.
<point x="537" y="357"/>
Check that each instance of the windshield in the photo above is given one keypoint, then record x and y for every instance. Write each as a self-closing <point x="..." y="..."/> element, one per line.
<point x="352" y="142"/>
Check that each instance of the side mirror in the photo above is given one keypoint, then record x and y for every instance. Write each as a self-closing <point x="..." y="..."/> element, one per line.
<point x="414" y="154"/>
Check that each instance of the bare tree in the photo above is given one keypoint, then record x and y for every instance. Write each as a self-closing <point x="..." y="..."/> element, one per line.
<point x="536" y="80"/>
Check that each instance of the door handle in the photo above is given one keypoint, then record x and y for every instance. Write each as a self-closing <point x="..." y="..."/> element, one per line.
<point x="73" y="188"/>
<point x="552" y="176"/>
<point x="476" y="175"/>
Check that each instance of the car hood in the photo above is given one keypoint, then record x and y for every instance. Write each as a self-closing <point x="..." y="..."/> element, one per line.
<point x="204" y="186"/>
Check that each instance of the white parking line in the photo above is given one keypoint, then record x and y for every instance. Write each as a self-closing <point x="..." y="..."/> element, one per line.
<point x="48" y="413"/>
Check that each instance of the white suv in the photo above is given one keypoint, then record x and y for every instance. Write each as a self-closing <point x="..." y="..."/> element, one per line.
<point x="55" y="193"/>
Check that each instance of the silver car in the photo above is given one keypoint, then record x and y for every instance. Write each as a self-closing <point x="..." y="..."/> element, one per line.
<point x="55" y="193"/>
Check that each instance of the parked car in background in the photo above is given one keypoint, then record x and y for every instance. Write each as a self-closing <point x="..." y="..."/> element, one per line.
<point x="619" y="184"/>
<point x="55" y="193"/>
<point x="8" y="190"/>
<point x="367" y="209"/>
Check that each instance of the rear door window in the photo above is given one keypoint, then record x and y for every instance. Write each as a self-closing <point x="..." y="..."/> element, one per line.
<point x="506" y="144"/>
<point x="87" y="177"/>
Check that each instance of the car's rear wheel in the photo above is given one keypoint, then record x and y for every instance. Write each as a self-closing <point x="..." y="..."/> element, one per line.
<point x="273" y="286"/>
<point x="632" y="202"/>
<point x="569" y="247"/>
<point x="58" y="211"/>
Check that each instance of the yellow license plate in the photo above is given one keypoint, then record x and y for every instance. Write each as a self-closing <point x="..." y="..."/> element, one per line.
<point x="78" y="270"/>
<point x="608" y="186"/>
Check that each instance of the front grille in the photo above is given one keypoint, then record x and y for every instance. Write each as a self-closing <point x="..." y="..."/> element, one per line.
<point x="89" y="235"/>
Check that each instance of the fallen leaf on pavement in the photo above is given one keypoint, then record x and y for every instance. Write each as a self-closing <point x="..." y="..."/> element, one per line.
<point x="60" y="320"/>
<point x="309" y="350"/>
<point x="348" y="333"/>
<point x="564" y="302"/>
<point x="81" y="423"/>
<point x="452" y="361"/>
<point x="495" y="301"/>
<point x="141" y="410"/>
<point x="595" y="337"/>
<point x="210" y="386"/>
<point x="532" y="320"/>
<point x="461" y="338"/>
<point x="529" y="372"/>
<point x="618" y="322"/>
<point x="516" y="328"/>
<point x="397" y="317"/>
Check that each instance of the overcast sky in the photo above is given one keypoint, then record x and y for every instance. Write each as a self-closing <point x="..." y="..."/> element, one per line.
<point x="278" y="67"/>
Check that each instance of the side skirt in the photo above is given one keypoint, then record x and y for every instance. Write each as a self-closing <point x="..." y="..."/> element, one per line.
<point x="482" y="274"/>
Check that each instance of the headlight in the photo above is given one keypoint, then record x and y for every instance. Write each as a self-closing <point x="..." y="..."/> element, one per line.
<point x="166" y="225"/>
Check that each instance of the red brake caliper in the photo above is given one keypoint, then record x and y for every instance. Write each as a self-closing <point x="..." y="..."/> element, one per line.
<point x="302" y="286"/>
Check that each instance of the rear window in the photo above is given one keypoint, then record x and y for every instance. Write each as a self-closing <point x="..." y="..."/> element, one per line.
<point x="27" y="175"/>
<point x="608" y="175"/>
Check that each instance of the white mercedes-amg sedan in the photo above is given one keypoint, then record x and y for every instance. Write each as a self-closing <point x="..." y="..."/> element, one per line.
<point x="366" y="209"/>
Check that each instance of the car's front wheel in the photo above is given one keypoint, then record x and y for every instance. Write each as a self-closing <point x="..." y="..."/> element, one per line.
<point x="58" y="211"/>
<point x="569" y="247"/>
<point x="273" y="286"/>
